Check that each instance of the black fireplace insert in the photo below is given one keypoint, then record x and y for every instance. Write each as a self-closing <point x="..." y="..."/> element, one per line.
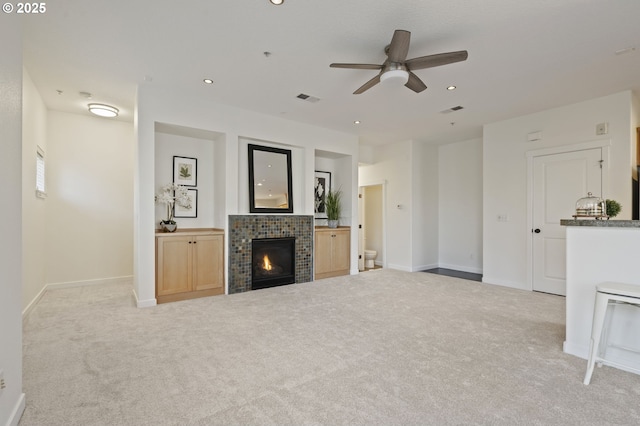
<point x="273" y="262"/>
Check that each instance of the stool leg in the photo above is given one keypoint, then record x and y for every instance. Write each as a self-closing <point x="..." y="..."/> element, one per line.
<point x="599" y="311"/>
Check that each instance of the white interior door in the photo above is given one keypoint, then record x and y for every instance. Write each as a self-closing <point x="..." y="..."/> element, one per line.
<point x="559" y="180"/>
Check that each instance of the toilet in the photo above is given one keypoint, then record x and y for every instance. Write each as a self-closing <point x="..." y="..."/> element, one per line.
<point x="369" y="257"/>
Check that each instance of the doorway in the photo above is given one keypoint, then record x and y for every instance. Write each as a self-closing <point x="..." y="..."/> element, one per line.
<point x="558" y="181"/>
<point x="371" y="227"/>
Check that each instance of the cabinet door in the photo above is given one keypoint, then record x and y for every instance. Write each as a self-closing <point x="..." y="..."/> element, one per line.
<point x="174" y="265"/>
<point x="208" y="258"/>
<point x="341" y="250"/>
<point x="323" y="252"/>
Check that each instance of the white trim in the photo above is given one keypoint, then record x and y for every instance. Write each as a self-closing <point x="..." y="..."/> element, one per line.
<point x="601" y="143"/>
<point x="400" y="267"/>
<point x="33" y="303"/>
<point x="149" y="303"/>
<point x="18" y="410"/>
<point x="423" y="267"/>
<point x="472" y="270"/>
<point x="99" y="281"/>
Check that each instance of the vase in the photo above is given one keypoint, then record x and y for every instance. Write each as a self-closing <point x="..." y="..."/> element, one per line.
<point x="168" y="226"/>
<point x="332" y="223"/>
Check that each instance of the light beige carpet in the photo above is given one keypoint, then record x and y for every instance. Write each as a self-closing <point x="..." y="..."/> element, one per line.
<point x="384" y="347"/>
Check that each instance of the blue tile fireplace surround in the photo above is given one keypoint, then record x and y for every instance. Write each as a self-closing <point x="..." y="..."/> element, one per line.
<point x="244" y="228"/>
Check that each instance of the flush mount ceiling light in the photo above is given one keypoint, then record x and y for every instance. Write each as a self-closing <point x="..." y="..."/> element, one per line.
<point x="397" y="76"/>
<point x="103" y="110"/>
<point x="451" y="88"/>
<point x="208" y="81"/>
<point x="277" y="2"/>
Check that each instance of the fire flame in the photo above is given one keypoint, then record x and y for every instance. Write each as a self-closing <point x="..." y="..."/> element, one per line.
<point x="266" y="265"/>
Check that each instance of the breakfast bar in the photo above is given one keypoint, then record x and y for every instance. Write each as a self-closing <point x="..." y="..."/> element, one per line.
<point x="602" y="251"/>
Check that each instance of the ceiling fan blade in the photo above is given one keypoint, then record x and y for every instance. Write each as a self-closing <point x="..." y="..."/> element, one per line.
<point x="415" y="83"/>
<point x="358" y="66"/>
<point x="436" y="60"/>
<point x="399" y="47"/>
<point x="368" y="85"/>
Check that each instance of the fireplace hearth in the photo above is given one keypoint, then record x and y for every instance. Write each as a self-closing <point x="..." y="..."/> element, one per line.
<point x="272" y="262"/>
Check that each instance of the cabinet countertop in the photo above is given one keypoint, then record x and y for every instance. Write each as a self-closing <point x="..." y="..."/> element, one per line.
<point x="190" y="231"/>
<point x="326" y="228"/>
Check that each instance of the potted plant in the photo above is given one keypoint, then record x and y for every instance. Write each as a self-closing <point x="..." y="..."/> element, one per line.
<point x="170" y="195"/>
<point x="613" y="208"/>
<point x="333" y="207"/>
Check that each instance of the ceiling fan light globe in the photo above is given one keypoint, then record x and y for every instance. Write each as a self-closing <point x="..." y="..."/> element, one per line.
<point x="395" y="77"/>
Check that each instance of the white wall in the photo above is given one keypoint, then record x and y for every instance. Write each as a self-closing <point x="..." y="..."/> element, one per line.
<point x="155" y="105"/>
<point x="460" y="206"/>
<point x="505" y="244"/>
<point x="90" y="198"/>
<point x="12" y="398"/>
<point x="424" y="206"/>
<point x="34" y="135"/>
<point x="167" y="146"/>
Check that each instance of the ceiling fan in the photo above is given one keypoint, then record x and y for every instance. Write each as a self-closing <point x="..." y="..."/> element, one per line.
<point x="398" y="68"/>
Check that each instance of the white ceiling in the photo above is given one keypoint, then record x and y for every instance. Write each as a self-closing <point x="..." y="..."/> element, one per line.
<point x="523" y="57"/>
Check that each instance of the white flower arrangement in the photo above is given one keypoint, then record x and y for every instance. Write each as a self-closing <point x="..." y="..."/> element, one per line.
<point x="170" y="195"/>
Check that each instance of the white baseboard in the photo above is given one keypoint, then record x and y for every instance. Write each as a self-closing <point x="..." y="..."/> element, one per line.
<point x="621" y="357"/>
<point x="33" y="303"/>
<point x="424" y="267"/>
<point x="471" y="269"/>
<point x="99" y="281"/>
<point x="399" y="267"/>
<point x="581" y="351"/>
<point x="147" y="303"/>
<point x="16" y="414"/>
<point x="504" y="283"/>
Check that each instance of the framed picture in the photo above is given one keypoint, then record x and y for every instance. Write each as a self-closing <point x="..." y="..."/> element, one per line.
<point x="185" y="171"/>
<point x="321" y="186"/>
<point x="179" y="211"/>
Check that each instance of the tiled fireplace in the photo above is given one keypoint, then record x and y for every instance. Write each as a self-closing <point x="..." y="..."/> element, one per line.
<point x="244" y="228"/>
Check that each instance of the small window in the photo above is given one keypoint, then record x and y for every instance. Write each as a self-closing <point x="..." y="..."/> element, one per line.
<point x="40" y="190"/>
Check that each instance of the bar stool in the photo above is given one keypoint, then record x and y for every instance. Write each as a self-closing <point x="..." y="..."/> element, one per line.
<point x="608" y="293"/>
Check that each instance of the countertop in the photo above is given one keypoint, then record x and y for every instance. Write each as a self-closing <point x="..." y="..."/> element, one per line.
<point x="601" y="223"/>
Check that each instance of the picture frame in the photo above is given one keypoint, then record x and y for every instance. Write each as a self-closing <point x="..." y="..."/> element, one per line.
<point x="179" y="211"/>
<point x="185" y="171"/>
<point x="321" y="186"/>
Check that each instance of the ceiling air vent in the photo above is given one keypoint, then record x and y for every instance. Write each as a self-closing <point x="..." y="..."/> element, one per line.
<point x="307" y="98"/>
<point x="452" y="109"/>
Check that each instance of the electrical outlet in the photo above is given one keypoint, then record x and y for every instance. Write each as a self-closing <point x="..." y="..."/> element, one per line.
<point x="2" y="384"/>
<point x="503" y="218"/>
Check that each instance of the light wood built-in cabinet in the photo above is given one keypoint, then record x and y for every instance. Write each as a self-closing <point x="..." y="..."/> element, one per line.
<point x="332" y="256"/>
<point x="189" y="264"/>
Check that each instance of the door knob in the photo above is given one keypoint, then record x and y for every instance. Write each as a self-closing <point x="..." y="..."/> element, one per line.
<point x="537" y="230"/>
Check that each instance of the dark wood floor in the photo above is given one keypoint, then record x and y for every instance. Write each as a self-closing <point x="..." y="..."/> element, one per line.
<point x="457" y="274"/>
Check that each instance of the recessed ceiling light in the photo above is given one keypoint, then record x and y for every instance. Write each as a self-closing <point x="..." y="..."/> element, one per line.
<point x="356" y="122"/>
<point x="277" y="2"/>
<point x="451" y="88"/>
<point x="103" y="110"/>
<point x="208" y="81"/>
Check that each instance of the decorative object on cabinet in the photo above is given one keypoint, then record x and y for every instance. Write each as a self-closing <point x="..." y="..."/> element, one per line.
<point x="189" y="264"/>
<point x="171" y="195"/>
<point x="333" y="207"/>
<point x="613" y="208"/>
<point x="185" y="171"/>
<point x="332" y="252"/>
<point x="188" y="211"/>
<point x="270" y="183"/>
<point x="321" y="186"/>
